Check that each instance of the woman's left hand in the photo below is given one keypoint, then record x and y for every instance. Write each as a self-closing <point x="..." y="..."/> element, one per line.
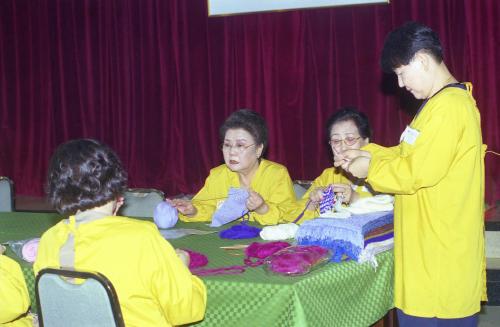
<point x="256" y="203"/>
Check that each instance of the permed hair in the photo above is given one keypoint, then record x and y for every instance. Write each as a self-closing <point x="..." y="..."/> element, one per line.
<point x="249" y="121"/>
<point x="84" y="174"/>
<point x="352" y="114"/>
<point x="403" y="43"/>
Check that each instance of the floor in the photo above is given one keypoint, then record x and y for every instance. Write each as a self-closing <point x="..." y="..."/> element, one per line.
<point x="489" y="316"/>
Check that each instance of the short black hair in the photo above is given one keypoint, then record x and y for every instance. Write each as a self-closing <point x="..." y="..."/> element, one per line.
<point x="84" y="174"/>
<point x="249" y="121"/>
<point x="352" y="114"/>
<point x="404" y="42"/>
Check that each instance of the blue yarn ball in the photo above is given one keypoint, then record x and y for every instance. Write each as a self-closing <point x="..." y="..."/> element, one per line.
<point x="165" y="216"/>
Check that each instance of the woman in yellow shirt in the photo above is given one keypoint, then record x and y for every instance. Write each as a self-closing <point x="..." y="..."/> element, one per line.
<point x="14" y="298"/>
<point x="154" y="287"/>
<point x="347" y="128"/>
<point x="244" y="141"/>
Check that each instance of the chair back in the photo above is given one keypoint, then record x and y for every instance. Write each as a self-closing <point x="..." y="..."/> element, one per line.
<point x="140" y="202"/>
<point x="6" y="194"/>
<point x="62" y="302"/>
<point x="300" y="187"/>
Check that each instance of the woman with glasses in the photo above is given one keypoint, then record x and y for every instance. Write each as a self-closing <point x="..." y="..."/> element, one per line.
<point x="244" y="140"/>
<point x="346" y="129"/>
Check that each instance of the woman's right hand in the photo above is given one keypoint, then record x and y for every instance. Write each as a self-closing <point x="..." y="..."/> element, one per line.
<point x="185" y="207"/>
<point x="315" y="198"/>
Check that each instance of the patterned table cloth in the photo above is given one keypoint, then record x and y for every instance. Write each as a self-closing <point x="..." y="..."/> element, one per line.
<point x="337" y="294"/>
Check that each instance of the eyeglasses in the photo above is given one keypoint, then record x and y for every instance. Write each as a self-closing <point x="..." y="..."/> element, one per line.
<point x="238" y="148"/>
<point x="347" y="141"/>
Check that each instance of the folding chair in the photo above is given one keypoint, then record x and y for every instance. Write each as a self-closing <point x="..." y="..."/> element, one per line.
<point x="63" y="302"/>
<point x="6" y="194"/>
<point x="140" y="202"/>
<point x="300" y="187"/>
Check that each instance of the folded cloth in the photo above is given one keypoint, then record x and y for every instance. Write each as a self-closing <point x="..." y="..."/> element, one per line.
<point x="233" y="208"/>
<point x="279" y="232"/>
<point x="372" y="249"/>
<point x="342" y="236"/>
<point x="380" y="202"/>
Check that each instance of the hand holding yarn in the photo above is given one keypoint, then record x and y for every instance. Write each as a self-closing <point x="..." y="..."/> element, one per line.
<point x="343" y="191"/>
<point x="185" y="207"/>
<point x="256" y="203"/>
<point x="315" y="197"/>
<point x="184" y="256"/>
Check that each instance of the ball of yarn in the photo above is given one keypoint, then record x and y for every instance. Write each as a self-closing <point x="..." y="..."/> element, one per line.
<point x="165" y="216"/>
<point x="279" y="232"/>
<point x="30" y="250"/>
<point x="240" y="231"/>
<point x="196" y="259"/>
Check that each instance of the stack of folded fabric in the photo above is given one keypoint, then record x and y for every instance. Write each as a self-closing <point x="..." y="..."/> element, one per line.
<point x="354" y="237"/>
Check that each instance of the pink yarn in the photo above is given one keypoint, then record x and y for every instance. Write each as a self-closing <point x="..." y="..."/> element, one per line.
<point x="196" y="259"/>
<point x="297" y="260"/>
<point x="30" y="250"/>
<point x="262" y="251"/>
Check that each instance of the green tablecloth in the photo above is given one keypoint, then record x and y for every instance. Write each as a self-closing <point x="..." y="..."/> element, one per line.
<point x="345" y="294"/>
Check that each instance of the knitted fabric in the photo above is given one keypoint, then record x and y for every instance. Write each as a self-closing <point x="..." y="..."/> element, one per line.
<point x="327" y="202"/>
<point x="342" y="236"/>
<point x="233" y="208"/>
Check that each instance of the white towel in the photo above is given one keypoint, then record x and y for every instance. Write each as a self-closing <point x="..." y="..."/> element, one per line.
<point x="380" y="202"/>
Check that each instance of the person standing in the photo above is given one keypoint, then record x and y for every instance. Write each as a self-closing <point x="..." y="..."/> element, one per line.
<point x="437" y="175"/>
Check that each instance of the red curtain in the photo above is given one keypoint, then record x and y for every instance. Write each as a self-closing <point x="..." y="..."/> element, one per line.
<point x="154" y="79"/>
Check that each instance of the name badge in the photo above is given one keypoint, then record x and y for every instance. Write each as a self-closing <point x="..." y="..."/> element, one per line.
<point x="409" y="135"/>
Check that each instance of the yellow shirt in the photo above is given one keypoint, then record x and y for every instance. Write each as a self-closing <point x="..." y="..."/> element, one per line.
<point x="327" y="177"/>
<point x="271" y="181"/>
<point x="14" y="297"/>
<point x="437" y="176"/>
<point x="153" y="285"/>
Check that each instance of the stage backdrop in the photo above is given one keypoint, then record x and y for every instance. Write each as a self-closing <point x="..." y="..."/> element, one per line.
<point x="155" y="79"/>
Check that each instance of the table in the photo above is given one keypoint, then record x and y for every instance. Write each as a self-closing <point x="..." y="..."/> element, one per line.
<point x="345" y="294"/>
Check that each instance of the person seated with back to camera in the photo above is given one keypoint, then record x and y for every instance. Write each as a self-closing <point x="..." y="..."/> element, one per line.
<point x="154" y="286"/>
<point x="347" y="128"/>
<point x="244" y="141"/>
<point x="14" y="297"/>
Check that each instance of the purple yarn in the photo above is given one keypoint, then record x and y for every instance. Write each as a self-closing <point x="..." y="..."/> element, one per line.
<point x="240" y="231"/>
<point x="165" y="216"/>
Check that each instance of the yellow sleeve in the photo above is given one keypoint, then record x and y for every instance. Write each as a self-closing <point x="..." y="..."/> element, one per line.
<point x="182" y="296"/>
<point x="14" y="298"/>
<point x="276" y="188"/>
<point x="421" y="164"/>
<point x="213" y="191"/>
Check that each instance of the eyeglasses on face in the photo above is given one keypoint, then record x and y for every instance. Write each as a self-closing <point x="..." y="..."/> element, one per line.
<point x="347" y="141"/>
<point x="238" y="148"/>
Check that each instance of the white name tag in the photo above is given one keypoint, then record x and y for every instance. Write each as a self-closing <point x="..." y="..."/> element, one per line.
<point x="409" y="136"/>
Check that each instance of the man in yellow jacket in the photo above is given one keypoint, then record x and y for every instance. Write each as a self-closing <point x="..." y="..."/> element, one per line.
<point x="437" y="176"/>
